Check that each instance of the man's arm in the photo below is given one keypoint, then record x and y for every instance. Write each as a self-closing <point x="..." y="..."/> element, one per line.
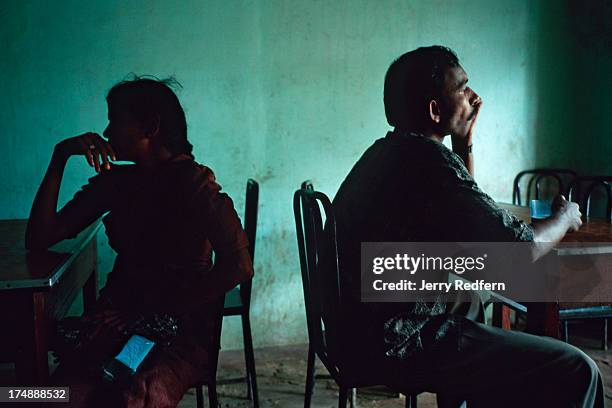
<point x="546" y="234"/>
<point x="465" y="152"/>
<point x="549" y="232"/>
<point x="475" y="216"/>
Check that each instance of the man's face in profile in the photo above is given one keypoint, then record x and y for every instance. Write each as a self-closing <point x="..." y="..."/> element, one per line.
<point x="458" y="103"/>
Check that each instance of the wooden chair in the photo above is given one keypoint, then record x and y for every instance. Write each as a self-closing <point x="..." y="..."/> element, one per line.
<point x="321" y="315"/>
<point x="583" y="190"/>
<point x="238" y="300"/>
<point x="536" y="180"/>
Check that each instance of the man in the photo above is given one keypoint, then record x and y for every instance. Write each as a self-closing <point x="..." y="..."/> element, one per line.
<point x="409" y="187"/>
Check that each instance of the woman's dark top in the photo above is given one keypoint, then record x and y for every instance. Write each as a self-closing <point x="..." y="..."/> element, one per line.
<point x="164" y="225"/>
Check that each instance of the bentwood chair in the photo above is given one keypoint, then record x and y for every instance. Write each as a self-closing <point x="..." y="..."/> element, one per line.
<point x="322" y="303"/>
<point x="538" y="181"/>
<point x="588" y="192"/>
<point x="584" y="189"/>
<point x="238" y="300"/>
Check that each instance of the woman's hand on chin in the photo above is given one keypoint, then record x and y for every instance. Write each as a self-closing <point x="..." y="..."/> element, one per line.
<point x="96" y="150"/>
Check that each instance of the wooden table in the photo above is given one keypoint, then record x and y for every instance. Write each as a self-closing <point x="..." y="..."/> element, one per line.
<point x="593" y="238"/>
<point x="37" y="288"/>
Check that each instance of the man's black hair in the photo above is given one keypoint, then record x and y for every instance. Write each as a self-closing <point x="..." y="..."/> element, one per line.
<point x="412" y="81"/>
<point x="149" y="99"/>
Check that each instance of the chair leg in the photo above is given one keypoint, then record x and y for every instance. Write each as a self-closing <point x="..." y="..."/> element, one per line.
<point x="250" y="359"/>
<point x="213" y="399"/>
<point x="310" y="374"/>
<point x="565" y="332"/>
<point x="411" y="401"/>
<point x="353" y="398"/>
<point x="199" y="397"/>
<point x="604" y="341"/>
<point x="342" y="397"/>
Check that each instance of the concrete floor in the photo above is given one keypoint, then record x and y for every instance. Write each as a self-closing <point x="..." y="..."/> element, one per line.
<point x="281" y="375"/>
<point x="280" y="380"/>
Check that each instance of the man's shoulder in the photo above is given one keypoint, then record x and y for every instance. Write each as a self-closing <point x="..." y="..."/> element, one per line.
<point x="418" y="148"/>
<point x="402" y="150"/>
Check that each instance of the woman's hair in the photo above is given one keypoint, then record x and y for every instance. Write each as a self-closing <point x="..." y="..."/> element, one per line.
<point x="148" y="100"/>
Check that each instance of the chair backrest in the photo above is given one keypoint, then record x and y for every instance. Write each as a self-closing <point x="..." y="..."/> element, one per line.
<point x="307" y="185"/>
<point x="250" y="228"/>
<point x="536" y="180"/>
<point x="250" y="214"/>
<point x="583" y="189"/>
<point x="319" y="265"/>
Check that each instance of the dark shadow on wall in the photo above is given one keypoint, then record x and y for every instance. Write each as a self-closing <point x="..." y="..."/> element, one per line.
<point x="591" y="34"/>
<point x="554" y="132"/>
<point x="574" y="85"/>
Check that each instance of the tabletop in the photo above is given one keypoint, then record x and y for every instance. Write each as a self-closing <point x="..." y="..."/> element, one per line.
<point x="594" y="236"/>
<point x="20" y="268"/>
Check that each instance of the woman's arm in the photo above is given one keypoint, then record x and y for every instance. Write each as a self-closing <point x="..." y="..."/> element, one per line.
<point x="46" y="226"/>
<point x="217" y="218"/>
<point x="207" y="285"/>
<point x="229" y="270"/>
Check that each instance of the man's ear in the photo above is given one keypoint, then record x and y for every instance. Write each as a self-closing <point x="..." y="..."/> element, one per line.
<point x="434" y="111"/>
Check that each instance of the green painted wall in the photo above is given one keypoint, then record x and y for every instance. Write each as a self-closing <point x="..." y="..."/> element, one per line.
<point x="281" y="91"/>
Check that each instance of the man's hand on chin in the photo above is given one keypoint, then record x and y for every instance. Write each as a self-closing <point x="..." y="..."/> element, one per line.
<point x="462" y="140"/>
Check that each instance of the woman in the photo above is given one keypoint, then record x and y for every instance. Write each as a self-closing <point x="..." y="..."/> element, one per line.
<point x="165" y="216"/>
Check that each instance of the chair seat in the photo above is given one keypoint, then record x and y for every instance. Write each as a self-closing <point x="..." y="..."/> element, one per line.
<point x="233" y="303"/>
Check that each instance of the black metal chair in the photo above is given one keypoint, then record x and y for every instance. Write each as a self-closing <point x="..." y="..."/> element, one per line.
<point x="211" y="381"/>
<point x="535" y="183"/>
<point x="322" y="307"/>
<point x="583" y="190"/>
<point x="238" y="300"/>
